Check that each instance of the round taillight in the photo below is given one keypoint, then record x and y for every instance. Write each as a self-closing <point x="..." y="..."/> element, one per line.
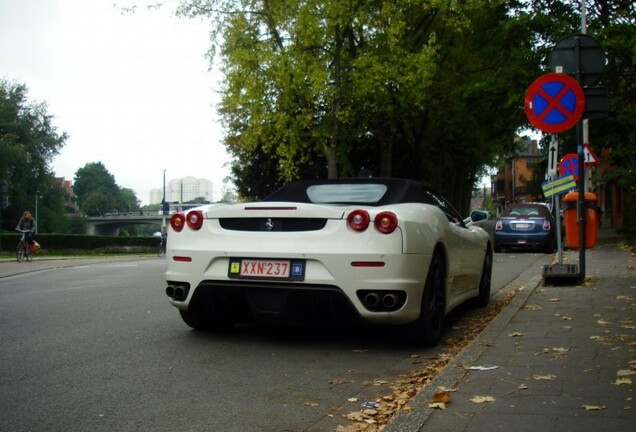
<point x="358" y="220"/>
<point x="195" y="219"/>
<point x="177" y="222"/>
<point x="386" y="222"/>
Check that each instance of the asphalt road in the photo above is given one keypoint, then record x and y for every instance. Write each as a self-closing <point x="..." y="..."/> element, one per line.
<point x="97" y="347"/>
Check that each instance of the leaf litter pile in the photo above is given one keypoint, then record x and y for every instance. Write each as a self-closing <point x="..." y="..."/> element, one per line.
<point x="376" y="414"/>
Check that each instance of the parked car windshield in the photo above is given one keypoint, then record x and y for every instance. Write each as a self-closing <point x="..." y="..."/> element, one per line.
<point x="528" y="210"/>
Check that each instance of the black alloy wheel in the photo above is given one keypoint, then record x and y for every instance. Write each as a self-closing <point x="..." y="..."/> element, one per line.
<point x="483" y="298"/>
<point x="429" y="326"/>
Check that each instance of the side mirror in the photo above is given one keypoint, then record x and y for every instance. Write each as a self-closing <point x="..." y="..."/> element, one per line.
<point x="479" y="215"/>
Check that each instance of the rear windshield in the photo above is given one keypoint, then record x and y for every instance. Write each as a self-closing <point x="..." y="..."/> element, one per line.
<point x="529" y="211"/>
<point x="346" y="193"/>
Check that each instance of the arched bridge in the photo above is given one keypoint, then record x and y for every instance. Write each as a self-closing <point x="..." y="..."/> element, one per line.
<point x="110" y="225"/>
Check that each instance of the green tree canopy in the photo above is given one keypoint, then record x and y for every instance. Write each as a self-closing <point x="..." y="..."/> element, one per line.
<point x="429" y="90"/>
<point x="98" y="193"/>
<point x="28" y="143"/>
<point x="325" y="88"/>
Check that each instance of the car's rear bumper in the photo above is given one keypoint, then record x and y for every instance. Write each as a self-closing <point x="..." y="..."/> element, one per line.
<point x="524" y="240"/>
<point x="337" y="276"/>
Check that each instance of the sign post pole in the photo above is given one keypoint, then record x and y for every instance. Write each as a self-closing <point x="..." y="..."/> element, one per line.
<point x="552" y="171"/>
<point x="581" y="207"/>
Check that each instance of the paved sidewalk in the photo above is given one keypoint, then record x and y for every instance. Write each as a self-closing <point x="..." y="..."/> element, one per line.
<point x="11" y="267"/>
<point x="565" y="359"/>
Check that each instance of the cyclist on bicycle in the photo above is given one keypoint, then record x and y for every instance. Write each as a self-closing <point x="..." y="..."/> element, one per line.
<point x="27" y="223"/>
<point x="164" y="239"/>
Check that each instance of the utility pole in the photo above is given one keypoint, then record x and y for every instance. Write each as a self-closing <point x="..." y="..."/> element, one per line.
<point x="163" y="202"/>
<point x="37" y="219"/>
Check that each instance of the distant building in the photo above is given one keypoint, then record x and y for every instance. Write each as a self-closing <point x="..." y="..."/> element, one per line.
<point x="70" y="200"/>
<point x="183" y="190"/>
<point x="509" y="185"/>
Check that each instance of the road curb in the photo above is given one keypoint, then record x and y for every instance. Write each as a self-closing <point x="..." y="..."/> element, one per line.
<point x="10" y="267"/>
<point x="524" y="285"/>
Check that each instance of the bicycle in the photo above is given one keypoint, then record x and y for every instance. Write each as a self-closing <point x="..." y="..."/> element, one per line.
<point x="161" y="250"/>
<point x="24" y="249"/>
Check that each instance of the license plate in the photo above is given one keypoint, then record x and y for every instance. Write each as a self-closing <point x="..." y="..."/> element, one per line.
<point x="282" y="269"/>
<point x="522" y="226"/>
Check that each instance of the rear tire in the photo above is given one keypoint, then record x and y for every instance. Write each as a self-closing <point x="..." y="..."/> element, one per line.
<point x="483" y="298"/>
<point x="429" y="326"/>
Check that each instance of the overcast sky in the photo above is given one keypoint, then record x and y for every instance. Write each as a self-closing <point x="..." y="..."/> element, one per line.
<point x="133" y="91"/>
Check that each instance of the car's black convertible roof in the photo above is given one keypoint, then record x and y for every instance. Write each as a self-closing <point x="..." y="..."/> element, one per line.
<point x="394" y="191"/>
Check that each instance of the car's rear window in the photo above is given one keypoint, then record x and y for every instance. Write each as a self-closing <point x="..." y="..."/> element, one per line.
<point x="346" y="193"/>
<point x="529" y="211"/>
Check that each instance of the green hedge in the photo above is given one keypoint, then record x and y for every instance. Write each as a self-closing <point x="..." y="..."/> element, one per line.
<point x="85" y="243"/>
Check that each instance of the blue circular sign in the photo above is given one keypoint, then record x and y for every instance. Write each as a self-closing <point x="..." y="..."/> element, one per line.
<point x="569" y="164"/>
<point x="554" y="102"/>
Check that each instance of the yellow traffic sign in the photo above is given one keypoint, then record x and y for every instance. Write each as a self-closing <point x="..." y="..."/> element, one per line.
<point x="558" y="185"/>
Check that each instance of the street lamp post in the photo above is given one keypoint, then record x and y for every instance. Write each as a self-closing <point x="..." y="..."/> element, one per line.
<point x="163" y="202"/>
<point x="37" y="192"/>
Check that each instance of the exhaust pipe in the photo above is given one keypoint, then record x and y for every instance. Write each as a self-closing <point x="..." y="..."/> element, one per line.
<point x="372" y="300"/>
<point x="389" y="301"/>
<point x="179" y="293"/>
<point x="170" y="291"/>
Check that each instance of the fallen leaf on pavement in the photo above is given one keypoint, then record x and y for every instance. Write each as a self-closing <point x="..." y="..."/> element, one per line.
<point x="482" y="399"/>
<point x="437" y="405"/>
<point x="602" y="322"/>
<point x="311" y="404"/>
<point x="544" y="377"/>
<point x="593" y="408"/>
<point x="375" y="383"/>
<point x="625" y="373"/>
<point x="515" y="334"/>
<point x="622" y="381"/>
<point x="441" y="397"/>
<point x="355" y="416"/>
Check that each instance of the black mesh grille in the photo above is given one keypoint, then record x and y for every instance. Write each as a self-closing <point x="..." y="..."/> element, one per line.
<point x="248" y="301"/>
<point x="273" y="224"/>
